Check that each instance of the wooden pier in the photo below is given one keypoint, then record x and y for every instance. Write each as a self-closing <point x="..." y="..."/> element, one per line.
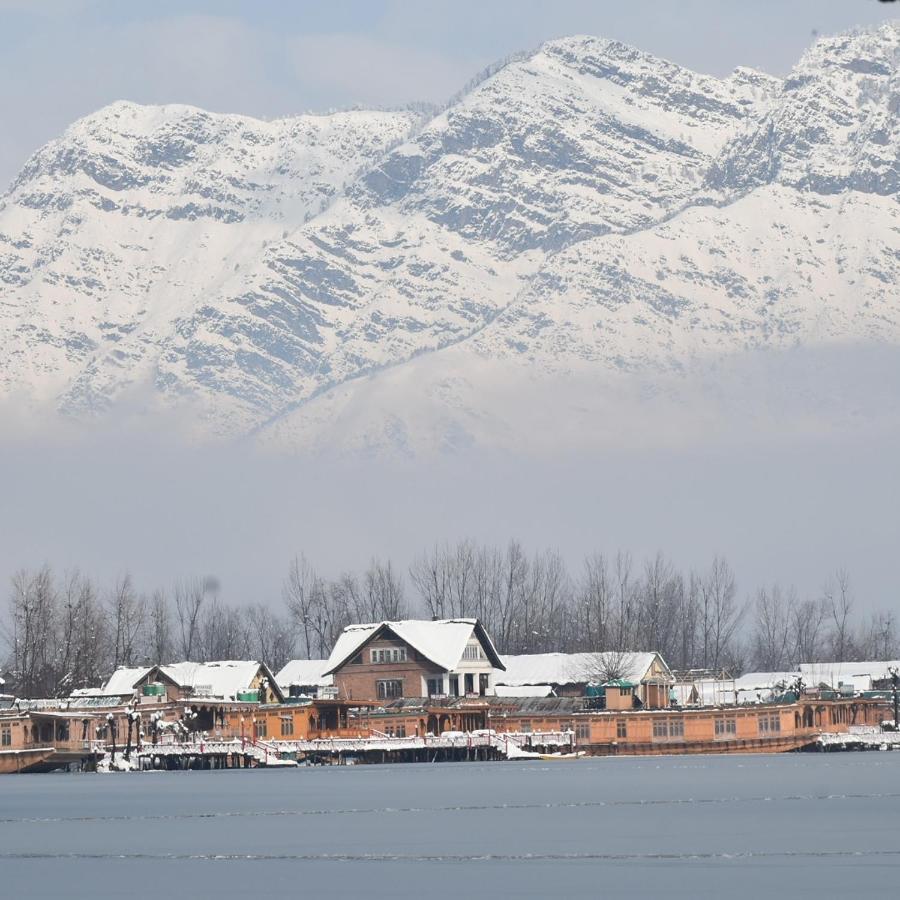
<point x="242" y="754"/>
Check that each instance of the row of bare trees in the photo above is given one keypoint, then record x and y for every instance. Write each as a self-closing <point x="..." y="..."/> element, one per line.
<point x="65" y="632"/>
<point x="69" y="632"/>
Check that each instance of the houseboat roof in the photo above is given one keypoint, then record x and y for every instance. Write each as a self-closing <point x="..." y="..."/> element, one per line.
<point x="861" y="675"/>
<point x="123" y="680"/>
<point x="523" y="690"/>
<point x="762" y="681"/>
<point x="574" y="668"/>
<point x="304" y="671"/>
<point x="221" y="678"/>
<point x="442" y="641"/>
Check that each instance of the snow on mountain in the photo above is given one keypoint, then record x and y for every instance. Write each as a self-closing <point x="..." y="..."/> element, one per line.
<point x="580" y="138"/>
<point x="131" y="217"/>
<point x="585" y="211"/>
<point x="836" y="125"/>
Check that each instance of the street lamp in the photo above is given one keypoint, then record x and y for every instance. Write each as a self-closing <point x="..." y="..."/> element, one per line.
<point x="895" y="684"/>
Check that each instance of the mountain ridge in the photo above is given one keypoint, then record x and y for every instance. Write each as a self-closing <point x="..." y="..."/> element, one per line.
<point x="583" y="209"/>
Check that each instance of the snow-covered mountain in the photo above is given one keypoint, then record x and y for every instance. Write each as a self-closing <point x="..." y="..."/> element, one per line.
<point x="582" y="220"/>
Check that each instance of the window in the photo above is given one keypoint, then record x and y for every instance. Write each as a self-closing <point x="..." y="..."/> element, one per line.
<point x="401" y="731"/>
<point x="769" y="723"/>
<point x="287" y="726"/>
<point x="668" y="728"/>
<point x="357" y="660"/>
<point x="525" y="727"/>
<point x="389" y="689"/>
<point x="621" y="729"/>
<point x="5" y="736"/>
<point x="260" y="728"/>
<point x="435" y="687"/>
<point x="484" y="682"/>
<point x="454" y="685"/>
<point x="583" y="731"/>
<point x="470" y="683"/>
<point x="389" y="655"/>
<point x="624" y="692"/>
<point x="473" y="651"/>
<point x="726" y="728"/>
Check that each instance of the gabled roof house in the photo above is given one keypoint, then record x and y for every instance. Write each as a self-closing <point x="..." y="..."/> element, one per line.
<point x="414" y="658"/>
<point x="220" y="680"/>
<point x="569" y="674"/>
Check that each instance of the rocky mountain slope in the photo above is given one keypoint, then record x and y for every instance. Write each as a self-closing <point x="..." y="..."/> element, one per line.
<point x="583" y="215"/>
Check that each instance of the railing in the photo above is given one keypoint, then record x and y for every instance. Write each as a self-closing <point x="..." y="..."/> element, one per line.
<point x="71" y="746"/>
<point x="265" y="750"/>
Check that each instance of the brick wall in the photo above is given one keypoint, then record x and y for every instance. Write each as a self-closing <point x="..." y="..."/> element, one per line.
<point x="358" y="681"/>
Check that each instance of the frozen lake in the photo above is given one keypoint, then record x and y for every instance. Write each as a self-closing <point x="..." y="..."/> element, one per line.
<point x="817" y="825"/>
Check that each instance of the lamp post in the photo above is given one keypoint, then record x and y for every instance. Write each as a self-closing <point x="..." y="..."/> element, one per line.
<point x="895" y="684"/>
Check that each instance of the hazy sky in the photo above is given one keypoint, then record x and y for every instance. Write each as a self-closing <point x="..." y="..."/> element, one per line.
<point x="793" y="512"/>
<point x="62" y="59"/>
<point x="783" y="502"/>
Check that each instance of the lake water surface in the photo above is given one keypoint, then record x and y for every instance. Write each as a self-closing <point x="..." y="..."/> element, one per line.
<point x="799" y="825"/>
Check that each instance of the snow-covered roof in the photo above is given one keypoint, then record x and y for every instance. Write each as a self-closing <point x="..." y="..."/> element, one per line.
<point x="304" y="671"/>
<point x="440" y="640"/>
<point x="762" y="681"/>
<point x="223" y="678"/>
<point x="523" y="690"/>
<point x="123" y="680"/>
<point x="859" y="674"/>
<point x="572" y="668"/>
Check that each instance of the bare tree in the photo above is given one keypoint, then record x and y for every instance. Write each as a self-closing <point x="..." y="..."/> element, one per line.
<point x="430" y="574"/>
<point x="272" y="636"/>
<point x="807" y="626"/>
<point x="611" y="665"/>
<point x="127" y="617"/>
<point x="839" y="603"/>
<point x="189" y="596"/>
<point x="30" y="632"/>
<point x="880" y="638"/>
<point x="84" y="638"/>
<point x="301" y="591"/>
<point x="722" y="613"/>
<point x="384" y="592"/>
<point x="159" y="638"/>
<point x="223" y="632"/>
<point x="595" y="600"/>
<point x="773" y="614"/>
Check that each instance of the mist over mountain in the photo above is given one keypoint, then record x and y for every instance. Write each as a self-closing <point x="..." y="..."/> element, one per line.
<point x="597" y="301"/>
<point x="586" y="235"/>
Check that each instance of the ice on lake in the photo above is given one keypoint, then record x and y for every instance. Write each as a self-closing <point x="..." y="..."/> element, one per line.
<point x="799" y="825"/>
